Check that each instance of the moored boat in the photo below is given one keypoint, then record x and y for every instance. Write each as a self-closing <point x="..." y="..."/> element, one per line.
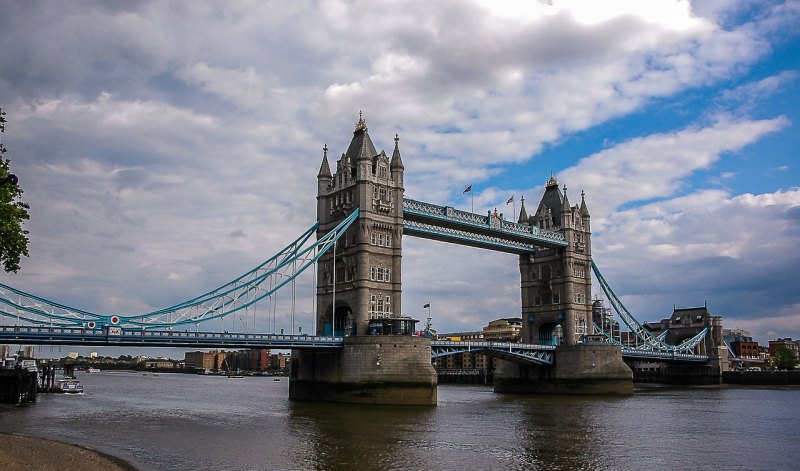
<point x="69" y="385"/>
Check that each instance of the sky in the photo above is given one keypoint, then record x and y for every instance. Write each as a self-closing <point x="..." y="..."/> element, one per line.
<point x="165" y="148"/>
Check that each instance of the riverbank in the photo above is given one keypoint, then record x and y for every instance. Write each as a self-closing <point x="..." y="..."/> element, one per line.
<point x="24" y="453"/>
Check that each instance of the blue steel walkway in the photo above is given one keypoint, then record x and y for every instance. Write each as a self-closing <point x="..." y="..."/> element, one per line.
<point x="447" y="224"/>
<point x="122" y="337"/>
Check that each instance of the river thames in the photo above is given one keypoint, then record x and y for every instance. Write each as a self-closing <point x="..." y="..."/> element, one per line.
<point x="186" y="422"/>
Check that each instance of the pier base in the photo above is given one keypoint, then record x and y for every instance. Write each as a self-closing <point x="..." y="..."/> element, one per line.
<point x="389" y="370"/>
<point x="577" y="369"/>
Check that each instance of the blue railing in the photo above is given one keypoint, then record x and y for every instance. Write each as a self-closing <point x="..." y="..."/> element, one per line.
<point x="117" y="336"/>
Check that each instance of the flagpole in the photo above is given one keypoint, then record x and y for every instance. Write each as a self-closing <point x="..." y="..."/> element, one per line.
<point x="471" y="197"/>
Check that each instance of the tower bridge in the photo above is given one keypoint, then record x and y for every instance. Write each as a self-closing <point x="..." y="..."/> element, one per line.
<point x="356" y="247"/>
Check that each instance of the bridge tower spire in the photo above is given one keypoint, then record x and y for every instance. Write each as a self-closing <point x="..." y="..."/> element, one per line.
<point x="556" y="284"/>
<point x="368" y="258"/>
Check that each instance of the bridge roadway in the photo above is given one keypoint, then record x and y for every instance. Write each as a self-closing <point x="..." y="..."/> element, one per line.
<point x="126" y="337"/>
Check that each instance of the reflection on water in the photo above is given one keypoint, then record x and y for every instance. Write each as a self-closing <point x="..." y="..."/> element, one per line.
<point x="171" y="421"/>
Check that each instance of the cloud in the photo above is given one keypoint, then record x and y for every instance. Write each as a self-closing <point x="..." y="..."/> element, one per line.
<point x="657" y="166"/>
<point x="166" y="148"/>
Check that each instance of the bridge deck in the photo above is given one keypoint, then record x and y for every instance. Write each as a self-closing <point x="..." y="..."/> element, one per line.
<point x="120" y="337"/>
<point x="31" y="335"/>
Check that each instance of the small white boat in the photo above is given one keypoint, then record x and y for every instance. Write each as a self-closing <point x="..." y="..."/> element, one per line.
<point x="92" y="370"/>
<point x="70" y="386"/>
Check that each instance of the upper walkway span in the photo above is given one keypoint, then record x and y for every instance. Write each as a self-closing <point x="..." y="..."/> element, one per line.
<point x="447" y="224"/>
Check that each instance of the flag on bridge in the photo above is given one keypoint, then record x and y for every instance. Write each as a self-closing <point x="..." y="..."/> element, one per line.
<point x="468" y="189"/>
<point x="510" y="200"/>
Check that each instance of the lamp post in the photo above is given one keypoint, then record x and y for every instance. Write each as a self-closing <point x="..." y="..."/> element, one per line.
<point x="427" y="330"/>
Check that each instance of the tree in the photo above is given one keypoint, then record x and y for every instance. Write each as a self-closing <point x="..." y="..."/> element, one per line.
<point x="784" y="358"/>
<point x="13" y="212"/>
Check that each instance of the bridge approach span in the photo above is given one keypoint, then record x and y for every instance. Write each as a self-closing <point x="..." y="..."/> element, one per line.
<point x="120" y="337"/>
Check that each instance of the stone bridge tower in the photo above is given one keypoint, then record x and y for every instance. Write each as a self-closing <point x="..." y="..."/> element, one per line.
<point x="367" y="270"/>
<point x="556" y="283"/>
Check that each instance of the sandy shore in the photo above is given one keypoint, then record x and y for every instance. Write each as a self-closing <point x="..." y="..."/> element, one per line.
<point x="21" y="453"/>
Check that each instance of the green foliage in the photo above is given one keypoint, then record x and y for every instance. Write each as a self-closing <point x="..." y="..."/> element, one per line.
<point x="13" y="212"/>
<point x="784" y="358"/>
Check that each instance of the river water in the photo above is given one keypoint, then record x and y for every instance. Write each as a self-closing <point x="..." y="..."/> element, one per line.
<point x="187" y="422"/>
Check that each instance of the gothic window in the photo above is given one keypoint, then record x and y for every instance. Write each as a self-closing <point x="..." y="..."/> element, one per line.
<point x="556" y="298"/>
<point x="382" y="171"/>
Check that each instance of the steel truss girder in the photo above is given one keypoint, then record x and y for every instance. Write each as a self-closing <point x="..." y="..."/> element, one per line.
<point x="452" y="225"/>
<point x="672" y="357"/>
<point x="517" y="352"/>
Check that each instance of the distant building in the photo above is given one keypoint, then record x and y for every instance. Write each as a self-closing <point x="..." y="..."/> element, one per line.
<point x="602" y="317"/>
<point x="279" y="361"/>
<point x="72" y="355"/>
<point x="503" y="330"/>
<point x="507" y="329"/>
<point x="461" y="336"/>
<point x="685" y="323"/>
<point x="793" y="345"/>
<point x="205" y="360"/>
<point x="741" y="344"/>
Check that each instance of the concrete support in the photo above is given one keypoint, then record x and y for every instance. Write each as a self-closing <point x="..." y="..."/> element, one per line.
<point x="388" y="370"/>
<point x="578" y="369"/>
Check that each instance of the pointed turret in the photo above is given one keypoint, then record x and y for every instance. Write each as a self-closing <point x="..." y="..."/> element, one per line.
<point x="325" y="168"/>
<point x="397" y="162"/>
<point x="361" y="147"/>
<point x="523" y="215"/>
<point x="548" y="214"/>
<point x="584" y="210"/>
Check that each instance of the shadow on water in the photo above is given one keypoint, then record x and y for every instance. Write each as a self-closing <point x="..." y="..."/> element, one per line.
<point x="472" y="428"/>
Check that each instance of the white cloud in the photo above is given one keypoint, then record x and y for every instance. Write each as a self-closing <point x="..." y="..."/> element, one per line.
<point x="166" y="148"/>
<point x="656" y="166"/>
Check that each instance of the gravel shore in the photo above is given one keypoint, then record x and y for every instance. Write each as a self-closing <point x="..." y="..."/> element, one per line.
<point x="22" y="453"/>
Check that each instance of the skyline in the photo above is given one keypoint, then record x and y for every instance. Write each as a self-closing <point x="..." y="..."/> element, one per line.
<point x="165" y="149"/>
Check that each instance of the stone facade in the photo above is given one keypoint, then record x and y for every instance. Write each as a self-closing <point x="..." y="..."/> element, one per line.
<point x="367" y="266"/>
<point x="390" y="370"/>
<point x="556" y="283"/>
